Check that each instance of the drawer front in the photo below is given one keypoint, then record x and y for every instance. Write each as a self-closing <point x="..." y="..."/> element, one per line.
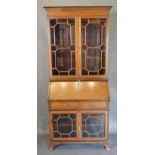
<point x="62" y="105"/>
<point x="93" y="105"/>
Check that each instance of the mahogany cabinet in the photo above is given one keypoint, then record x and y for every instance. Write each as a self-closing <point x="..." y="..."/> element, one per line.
<point x="78" y="92"/>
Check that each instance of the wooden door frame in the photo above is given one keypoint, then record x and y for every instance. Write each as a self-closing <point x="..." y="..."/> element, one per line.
<point x="106" y="130"/>
<point x="51" y="125"/>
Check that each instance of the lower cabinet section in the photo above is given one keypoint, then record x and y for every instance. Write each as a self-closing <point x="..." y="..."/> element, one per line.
<point x="79" y="125"/>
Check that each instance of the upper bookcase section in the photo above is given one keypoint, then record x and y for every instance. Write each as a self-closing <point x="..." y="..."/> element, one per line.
<point x="78" y="42"/>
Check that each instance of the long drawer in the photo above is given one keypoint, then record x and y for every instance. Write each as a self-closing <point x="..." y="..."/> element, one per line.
<point x="93" y="105"/>
<point x="61" y="105"/>
<point x="73" y="105"/>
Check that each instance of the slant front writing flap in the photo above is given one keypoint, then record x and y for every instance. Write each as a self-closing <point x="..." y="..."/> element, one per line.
<point x="83" y="90"/>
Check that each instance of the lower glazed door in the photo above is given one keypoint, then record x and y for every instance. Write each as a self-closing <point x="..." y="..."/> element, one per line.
<point x="94" y="125"/>
<point x="63" y="125"/>
<point x="79" y="126"/>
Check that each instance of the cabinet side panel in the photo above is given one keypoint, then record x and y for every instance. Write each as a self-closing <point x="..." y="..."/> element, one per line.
<point x="49" y="46"/>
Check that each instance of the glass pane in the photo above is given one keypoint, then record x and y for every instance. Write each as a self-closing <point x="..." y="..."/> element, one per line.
<point x="52" y="22"/>
<point x="103" y="59"/>
<point x="64" y="125"/>
<point x="52" y="36"/>
<point x="93" y="46"/>
<point x="83" y="35"/>
<point x="63" y="60"/>
<point x="62" y="36"/>
<point x="93" y="125"/>
<point x="55" y="71"/>
<point x="103" y="35"/>
<point x="93" y="35"/>
<point x="83" y="60"/>
<point x="63" y="73"/>
<point x="72" y="72"/>
<point x="73" y="35"/>
<point x="71" y="22"/>
<point x="93" y="62"/>
<point x="84" y="22"/>
<point x="63" y="46"/>
<point x="53" y="59"/>
<point x="102" y="21"/>
<point x="73" y="59"/>
<point x="53" y="48"/>
<point x="84" y="72"/>
<point x="102" y="71"/>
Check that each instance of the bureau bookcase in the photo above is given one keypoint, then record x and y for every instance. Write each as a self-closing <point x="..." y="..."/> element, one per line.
<point x="78" y="92"/>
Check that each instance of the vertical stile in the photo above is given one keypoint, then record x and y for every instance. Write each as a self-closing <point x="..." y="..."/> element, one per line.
<point x="70" y="34"/>
<point x="49" y="47"/>
<point x="50" y="125"/>
<point x="107" y="124"/>
<point x="78" y="44"/>
<point x="54" y="34"/>
<point x="79" y="125"/>
<point x="106" y="45"/>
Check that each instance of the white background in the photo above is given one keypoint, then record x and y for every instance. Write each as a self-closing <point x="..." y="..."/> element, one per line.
<point x="136" y="76"/>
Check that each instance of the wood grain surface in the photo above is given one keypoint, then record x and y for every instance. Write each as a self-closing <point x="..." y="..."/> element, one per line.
<point x="83" y="90"/>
